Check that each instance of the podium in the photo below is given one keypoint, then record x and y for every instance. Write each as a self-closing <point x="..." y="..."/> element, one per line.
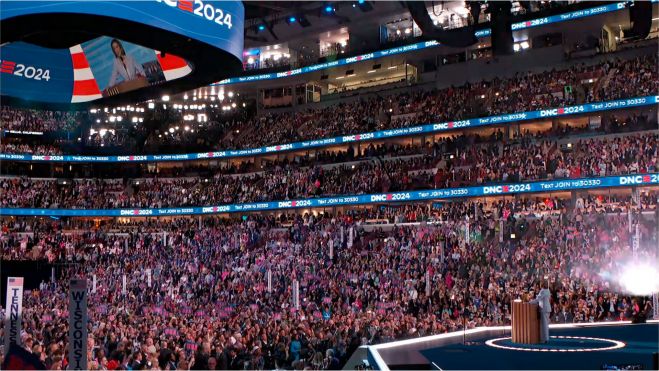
<point x="525" y="323"/>
<point x="125" y="86"/>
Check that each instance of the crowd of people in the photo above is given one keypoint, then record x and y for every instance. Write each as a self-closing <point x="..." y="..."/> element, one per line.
<point x="32" y="149"/>
<point x="454" y="162"/>
<point x="608" y="80"/>
<point x="524" y="92"/>
<point x="38" y="120"/>
<point x="197" y="293"/>
<point x="304" y="289"/>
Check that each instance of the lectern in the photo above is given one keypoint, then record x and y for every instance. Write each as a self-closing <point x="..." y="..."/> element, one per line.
<point x="525" y="323"/>
<point x="125" y="86"/>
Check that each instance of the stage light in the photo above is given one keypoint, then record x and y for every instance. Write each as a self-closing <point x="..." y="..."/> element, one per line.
<point x="329" y="9"/>
<point x="292" y="19"/>
<point x="360" y="2"/>
<point x="639" y="278"/>
<point x="261" y="27"/>
<point x="165" y="98"/>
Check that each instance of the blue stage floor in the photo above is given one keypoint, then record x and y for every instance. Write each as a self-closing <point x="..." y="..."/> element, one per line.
<point x="641" y="341"/>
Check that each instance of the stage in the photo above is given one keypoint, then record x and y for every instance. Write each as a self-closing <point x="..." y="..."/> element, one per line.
<point x="579" y="346"/>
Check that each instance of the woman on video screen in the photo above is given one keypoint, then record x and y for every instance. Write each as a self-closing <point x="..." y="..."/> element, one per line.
<point x="124" y="65"/>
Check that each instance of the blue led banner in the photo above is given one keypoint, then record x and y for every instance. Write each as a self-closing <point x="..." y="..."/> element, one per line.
<point x="478" y="191"/>
<point x="391" y="133"/>
<point x="35" y="73"/>
<point x="425" y="45"/>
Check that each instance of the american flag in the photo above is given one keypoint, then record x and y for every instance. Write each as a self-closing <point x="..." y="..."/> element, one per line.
<point x="14" y="280"/>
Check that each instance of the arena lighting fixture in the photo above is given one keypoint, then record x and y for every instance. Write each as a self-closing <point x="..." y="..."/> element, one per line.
<point x="187" y="128"/>
<point x="233" y="105"/>
<point x="151" y="106"/>
<point x="171" y="130"/>
<point x="230" y="94"/>
<point x="165" y="98"/>
<point x="261" y="27"/>
<point x="98" y="121"/>
<point x="291" y="19"/>
<point x="112" y="118"/>
<point x="329" y="9"/>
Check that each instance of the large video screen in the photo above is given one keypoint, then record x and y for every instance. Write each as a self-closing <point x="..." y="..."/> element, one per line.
<point x="101" y="67"/>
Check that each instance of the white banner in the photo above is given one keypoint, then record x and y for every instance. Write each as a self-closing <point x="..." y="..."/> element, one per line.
<point x="94" y="284"/>
<point x="269" y="280"/>
<point x="13" y="311"/>
<point x="148" y="277"/>
<point x="123" y="285"/>
<point x="78" y="325"/>
<point x="296" y="294"/>
<point x="467" y="232"/>
<point x="331" y="248"/>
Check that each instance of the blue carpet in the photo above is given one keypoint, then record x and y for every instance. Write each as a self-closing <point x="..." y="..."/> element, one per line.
<point x="641" y="342"/>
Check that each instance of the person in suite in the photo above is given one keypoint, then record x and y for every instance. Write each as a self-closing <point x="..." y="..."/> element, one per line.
<point x="124" y="65"/>
<point x="545" y="309"/>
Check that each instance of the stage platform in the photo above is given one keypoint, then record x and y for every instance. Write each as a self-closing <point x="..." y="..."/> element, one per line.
<point x="579" y="346"/>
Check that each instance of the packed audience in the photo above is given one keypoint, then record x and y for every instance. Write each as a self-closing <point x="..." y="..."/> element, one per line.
<point x="32" y="149"/>
<point x="608" y="80"/>
<point x="525" y="92"/>
<point x="38" y="120"/>
<point x="453" y="162"/>
<point x="197" y="294"/>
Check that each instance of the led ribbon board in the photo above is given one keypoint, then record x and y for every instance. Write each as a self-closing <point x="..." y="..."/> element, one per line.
<point x="431" y="194"/>
<point x="47" y="47"/>
<point x="322" y="142"/>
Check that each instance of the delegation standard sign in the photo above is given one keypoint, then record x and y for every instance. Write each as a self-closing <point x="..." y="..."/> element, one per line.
<point x="78" y="324"/>
<point x="14" y="312"/>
